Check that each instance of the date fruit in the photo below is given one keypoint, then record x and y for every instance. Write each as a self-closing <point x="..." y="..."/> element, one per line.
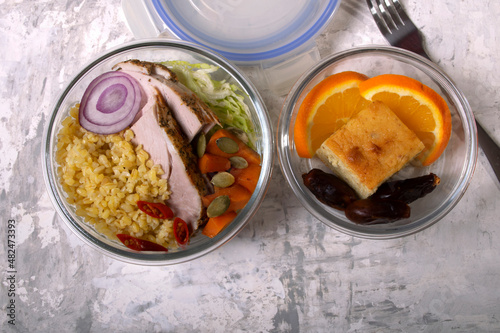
<point x="407" y="190"/>
<point x="329" y="189"/>
<point x="376" y="211"/>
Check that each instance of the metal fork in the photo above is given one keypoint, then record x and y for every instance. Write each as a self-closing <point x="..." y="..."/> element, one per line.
<point x="400" y="31"/>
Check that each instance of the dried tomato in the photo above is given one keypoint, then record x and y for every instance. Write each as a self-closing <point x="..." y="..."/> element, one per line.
<point x="139" y="244"/>
<point x="155" y="209"/>
<point x="181" y="231"/>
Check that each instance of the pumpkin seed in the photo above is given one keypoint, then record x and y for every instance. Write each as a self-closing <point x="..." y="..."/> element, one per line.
<point x="227" y="145"/>
<point x="201" y="145"/>
<point x="223" y="179"/>
<point x="240" y="134"/>
<point x="218" y="206"/>
<point x="238" y="162"/>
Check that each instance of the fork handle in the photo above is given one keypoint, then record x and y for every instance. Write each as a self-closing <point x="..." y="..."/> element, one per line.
<point x="413" y="42"/>
<point x="490" y="149"/>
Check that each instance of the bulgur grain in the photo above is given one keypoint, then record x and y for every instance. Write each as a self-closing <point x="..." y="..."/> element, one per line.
<point x="105" y="175"/>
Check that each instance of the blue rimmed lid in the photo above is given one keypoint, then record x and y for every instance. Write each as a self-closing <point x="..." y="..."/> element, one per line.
<point x="247" y="31"/>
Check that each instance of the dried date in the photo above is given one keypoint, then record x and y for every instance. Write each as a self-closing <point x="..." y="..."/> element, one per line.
<point x="329" y="189"/>
<point x="407" y="190"/>
<point x="377" y="211"/>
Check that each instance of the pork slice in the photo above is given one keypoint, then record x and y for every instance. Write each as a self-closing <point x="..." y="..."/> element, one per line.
<point x="164" y="72"/>
<point x="152" y="137"/>
<point x="192" y="100"/>
<point x="134" y="65"/>
<point x="146" y="67"/>
<point x="160" y="135"/>
<point x="148" y="100"/>
<point x="192" y="114"/>
<point x="186" y="183"/>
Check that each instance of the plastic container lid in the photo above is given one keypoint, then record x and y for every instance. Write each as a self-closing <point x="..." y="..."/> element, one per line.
<point x="277" y="35"/>
<point x="247" y="31"/>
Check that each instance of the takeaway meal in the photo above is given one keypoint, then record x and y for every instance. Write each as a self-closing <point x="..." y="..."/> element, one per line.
<point x="156" y="152"/>
<point x="365" y="130"/>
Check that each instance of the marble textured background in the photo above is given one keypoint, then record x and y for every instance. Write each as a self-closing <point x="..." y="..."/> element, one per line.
<point x="286" y="271"/>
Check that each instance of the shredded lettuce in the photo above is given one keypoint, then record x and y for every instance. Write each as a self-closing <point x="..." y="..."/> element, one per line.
<point x="224" y="99"/>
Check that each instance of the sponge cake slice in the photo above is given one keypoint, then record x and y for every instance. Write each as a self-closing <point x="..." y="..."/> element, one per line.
<point x="370" y="148"/>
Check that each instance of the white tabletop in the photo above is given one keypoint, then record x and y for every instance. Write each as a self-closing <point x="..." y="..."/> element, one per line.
<point x="286" y="271"/>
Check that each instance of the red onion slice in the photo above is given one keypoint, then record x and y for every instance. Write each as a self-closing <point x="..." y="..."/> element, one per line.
<point x="110" y="103"/>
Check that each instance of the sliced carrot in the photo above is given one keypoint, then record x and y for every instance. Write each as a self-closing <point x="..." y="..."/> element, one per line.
<point x="213" y="163"/>
<point x="238" y="195"/>
<point x="247" y="177"/>
<point x="216" y="224"/>
<point x="244" y="151"/>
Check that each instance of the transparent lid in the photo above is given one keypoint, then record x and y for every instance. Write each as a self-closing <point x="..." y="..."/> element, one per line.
<point x="247" y="31"/>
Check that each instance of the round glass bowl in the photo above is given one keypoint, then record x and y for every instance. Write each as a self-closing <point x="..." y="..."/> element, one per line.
<point x="155" y="50"/>
<point x="455" y="167"/>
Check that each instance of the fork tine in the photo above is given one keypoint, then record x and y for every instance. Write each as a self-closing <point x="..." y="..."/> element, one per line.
<point x="396" y="26"/>
<point x="400" y="12"/>
<point x="392" y="8"/>
<point x="387" y="16"/>
<point x="379" y="19"/>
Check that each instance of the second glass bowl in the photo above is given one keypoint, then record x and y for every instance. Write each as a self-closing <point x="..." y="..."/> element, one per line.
<point x="455" y="167"/>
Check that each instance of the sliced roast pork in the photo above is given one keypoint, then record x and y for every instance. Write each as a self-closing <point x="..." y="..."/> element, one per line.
<point x="157" y="130"/>
<point x="149" y="134"/>
<point x="146" y="67"/>
<point x="191" y="113"/>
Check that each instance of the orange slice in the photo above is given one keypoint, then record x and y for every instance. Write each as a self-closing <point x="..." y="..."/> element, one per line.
<point x="328" y="106"/>
<point x="420" y="108"/>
